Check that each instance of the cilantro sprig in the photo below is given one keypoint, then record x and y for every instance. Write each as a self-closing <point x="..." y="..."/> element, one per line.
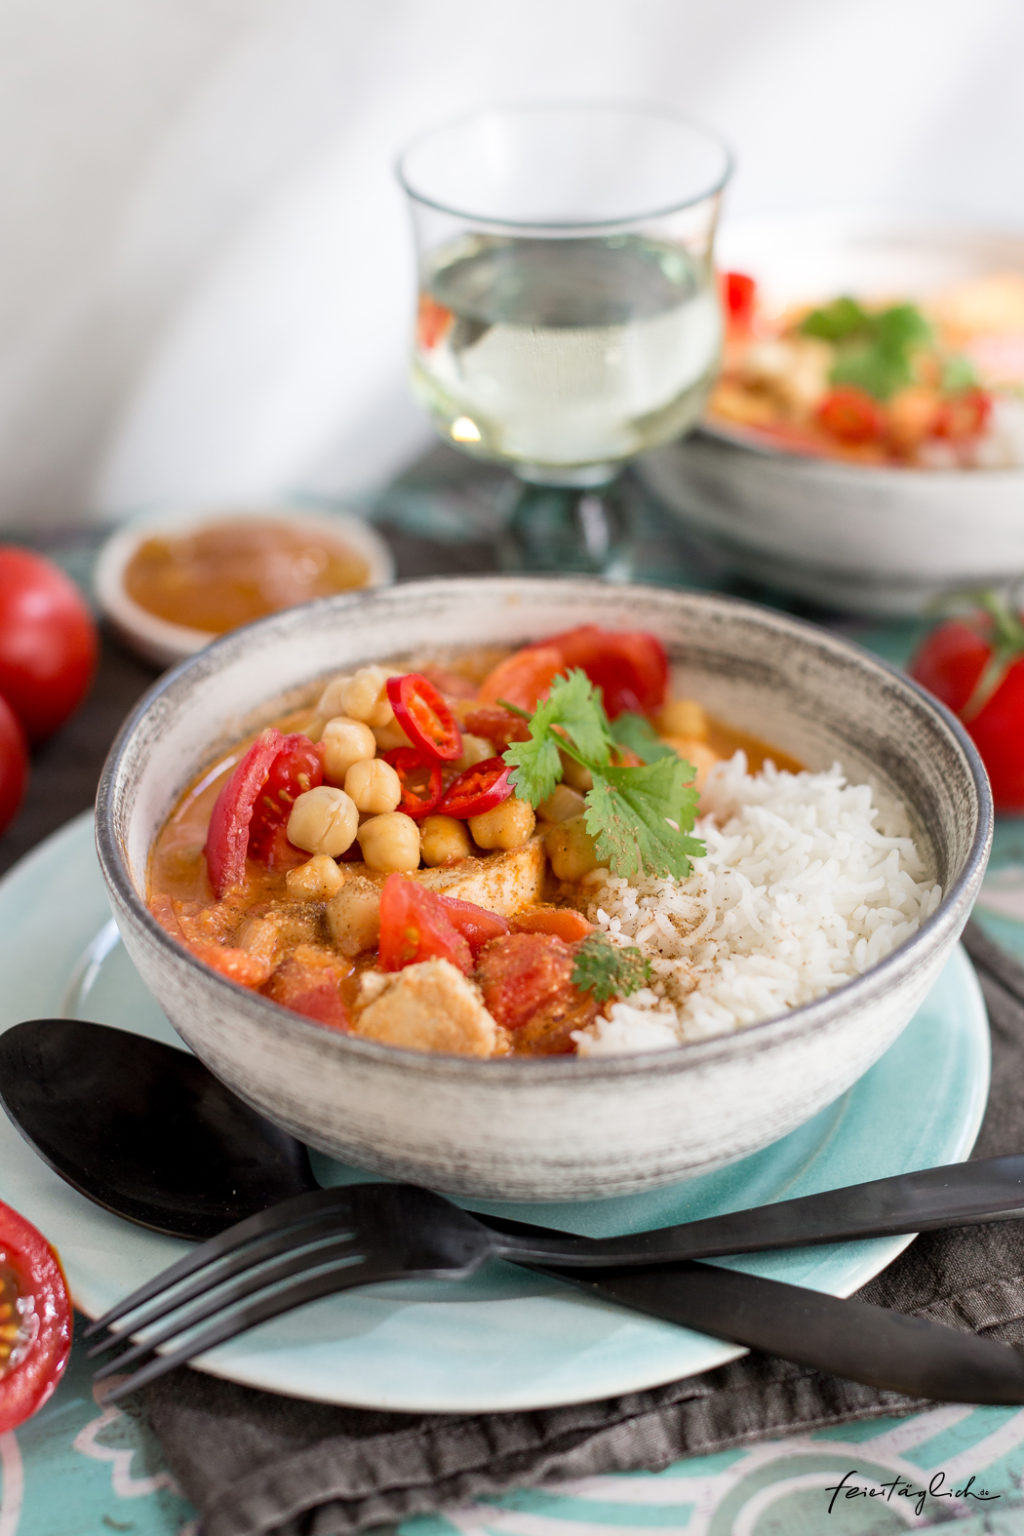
<point x="608" y="971"/>
<point x="639" y="817"/>
<point x="874" y="348"/>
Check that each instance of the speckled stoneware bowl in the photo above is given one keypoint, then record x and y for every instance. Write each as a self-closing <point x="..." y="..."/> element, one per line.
<point x="555" y="1128"/>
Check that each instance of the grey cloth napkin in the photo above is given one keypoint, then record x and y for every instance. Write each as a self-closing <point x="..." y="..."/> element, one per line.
<point x="255" y="1463"/>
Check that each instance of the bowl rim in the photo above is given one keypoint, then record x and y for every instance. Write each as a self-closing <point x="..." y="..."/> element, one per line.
<point x="763" y="1035"/>
<point x="183" y="640"/>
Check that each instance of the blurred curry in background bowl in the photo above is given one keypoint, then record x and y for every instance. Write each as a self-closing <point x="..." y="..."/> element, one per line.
<point x="171" y="582"/>
<point x="864" y="445"/>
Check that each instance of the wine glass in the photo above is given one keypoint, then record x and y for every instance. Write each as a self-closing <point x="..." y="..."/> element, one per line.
<point x="568" y="314"/>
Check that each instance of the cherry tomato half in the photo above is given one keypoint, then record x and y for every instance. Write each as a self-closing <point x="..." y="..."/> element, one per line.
<point x="235" y="808"/>
<point x="424" y="716"/>
<point x="421" y="781"/>
<point x="952" y="663"/>
<point x="48" y="643"/>
<point x="297" y="767"/>
<point x="415" y="926"/>
<point x="35" y="1319"/>
<point x="477" y="789"/>
<point x="739" y="297"/>
<point x="851" y="415"/>
<point x="524" y="677"/>
<point x="498" y="726"/>
<point x="13" y="764"/>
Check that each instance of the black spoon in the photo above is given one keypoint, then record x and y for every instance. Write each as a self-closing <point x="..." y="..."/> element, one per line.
<point x="144" y="1130"/>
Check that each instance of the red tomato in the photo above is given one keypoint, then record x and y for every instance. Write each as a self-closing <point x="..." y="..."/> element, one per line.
<point x="48" y="644"/>
<point x="629" y="666"/>
<point x="477" y="926"/>
<point x="526" y="980"/>
<point x="421" y="781"/>
<point x="235" y="808"/>
<point x="297" y="767"/>
<point x="524" y="677"/>
<point x="964" y="416"/>
<point x="564" y="922"/>
<point x="35" y="1319"/>
<point x="425" y="717"/>
<point x="477" y="789"/>
<point x="312" y="987"/>
<point x="496" y="725"/>
<point x="13" y="764"/>
<point x="954" y="664"/>
<point x="851" y="415"/>
<point x="739" y="297"/>
<point x="414" y="926"/>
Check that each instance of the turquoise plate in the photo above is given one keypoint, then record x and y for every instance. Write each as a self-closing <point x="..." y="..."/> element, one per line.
<point x="505" y="1339"/>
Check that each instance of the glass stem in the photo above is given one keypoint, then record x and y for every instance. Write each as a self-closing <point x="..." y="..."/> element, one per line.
<point x="574" y="528"/>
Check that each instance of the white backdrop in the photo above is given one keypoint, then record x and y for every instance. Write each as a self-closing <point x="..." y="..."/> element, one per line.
<point x="205" y="265"/>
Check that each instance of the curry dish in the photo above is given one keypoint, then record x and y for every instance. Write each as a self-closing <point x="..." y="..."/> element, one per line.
<point x="384" y="861"/>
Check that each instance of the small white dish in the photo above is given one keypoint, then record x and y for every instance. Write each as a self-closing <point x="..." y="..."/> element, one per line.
<point x="165" y="643"/>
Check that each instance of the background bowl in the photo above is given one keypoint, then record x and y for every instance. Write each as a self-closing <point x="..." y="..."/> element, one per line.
<point x="163" y="642"/>
<point x="554" y="1128"/>
<point x="857" y="537"/>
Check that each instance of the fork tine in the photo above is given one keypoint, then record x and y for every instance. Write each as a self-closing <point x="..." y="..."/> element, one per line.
<point x="236" y="1262"/>
<point x="277" y="1304"/>
<point x="334" y="1254"/>
<point x="298" y="1209"/>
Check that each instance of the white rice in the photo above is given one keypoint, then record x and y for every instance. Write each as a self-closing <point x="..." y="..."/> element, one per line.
<point x="807" y="882"/>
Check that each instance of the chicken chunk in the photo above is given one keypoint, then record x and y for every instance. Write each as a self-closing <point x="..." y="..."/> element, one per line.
<point x="430" y="1007"/>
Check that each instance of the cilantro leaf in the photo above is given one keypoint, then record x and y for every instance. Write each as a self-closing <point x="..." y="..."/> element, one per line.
<point x="837" y="321"/>
<point x="958" y="374"/>
<point x="630" y="814"/>
<point x="607" y="971"/>
<point x="574" y="706"/>
<point x="871" y="368"/>
<point x="638" y="734"/>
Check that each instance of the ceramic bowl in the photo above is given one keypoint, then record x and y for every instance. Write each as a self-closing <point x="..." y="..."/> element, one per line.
<point x="555" y="1128"/>
<point x="855" y="537"/>
<point x="164" y="643"/>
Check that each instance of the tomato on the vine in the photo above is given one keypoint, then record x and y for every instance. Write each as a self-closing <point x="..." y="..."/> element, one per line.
<point x="35" y="1319"/>
<point x="48" y="643"/>
<point x="975" y="666"/>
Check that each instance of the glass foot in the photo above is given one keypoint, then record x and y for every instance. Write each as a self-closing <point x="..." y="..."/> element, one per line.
<point x="583" y="530"/>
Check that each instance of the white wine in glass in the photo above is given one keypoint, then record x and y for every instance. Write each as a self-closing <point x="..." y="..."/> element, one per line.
<point x="558" y="344"/>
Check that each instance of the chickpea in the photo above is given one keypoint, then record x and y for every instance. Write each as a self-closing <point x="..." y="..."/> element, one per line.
<point x="683" y="717"/>
<point x="390" y="736"/>
<point x="575" y="775"/>
<point x="329" y="703"/>
<point x="444" y="840"/>
<point x="570" y="848"/>
<point x="353" y="915"/>
<point x="373" y="785"/>
<point x="562" y="803"/>
<point x="475" y="749"/>
<point x="390" y="842"/>
<point x="508" y="825"/>
<point x="323" y="820"/>
<point x="364" y="696"/>
<point x="317" y="880"/>
<point x="345" y="742"/>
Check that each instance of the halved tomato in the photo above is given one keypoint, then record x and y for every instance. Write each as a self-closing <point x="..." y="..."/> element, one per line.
<point x="629" y="666"/>
<point x="524" y="677"/>
<point x="235" y="809"/>
<point x="35" y="1319"/>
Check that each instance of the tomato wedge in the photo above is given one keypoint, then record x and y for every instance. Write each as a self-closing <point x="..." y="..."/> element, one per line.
<point x="477" y="789"/>
<point x="629" y="666"/>
<point x="739" y="297"/>
<point x="477" y="925"/>
<point x="35" y="1319"/>
<point x="497" y="725"/>
<point x="564" y="923"/>
<point x="424" y="716"/>
<point x="524" y="677"/>
<point x="851" y="415"/>
<point x="421" y="781"/>
<point x="964" y="416"/>
<point x="415" y="926"/>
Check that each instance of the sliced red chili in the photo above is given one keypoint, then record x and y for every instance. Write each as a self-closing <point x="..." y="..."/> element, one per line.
<point x="478" y="789"/>
<point x="421" y="781"/>
<point x="425" y="717"/>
